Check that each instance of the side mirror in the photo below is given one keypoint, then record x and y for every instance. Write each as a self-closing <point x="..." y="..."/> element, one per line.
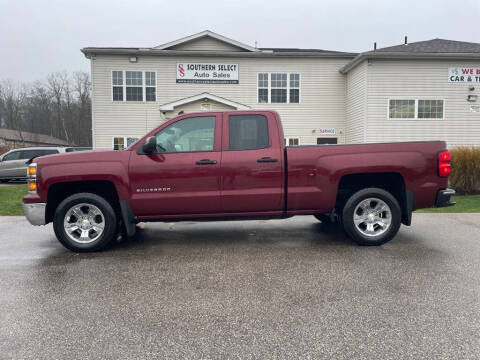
<point x="150" y="145"/>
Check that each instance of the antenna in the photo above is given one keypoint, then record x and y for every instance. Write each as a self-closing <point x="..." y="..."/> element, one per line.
<point x="255" y="44"/>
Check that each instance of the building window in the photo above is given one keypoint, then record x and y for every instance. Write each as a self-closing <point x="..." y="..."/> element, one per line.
<point x="402" y="109"/>
<point x="150" y="86"/>
<point x="294" y="88"/>
<point x="430" y="109"/>
<point x="117" y="83"/>
<point x="291" y="141"/>
<point x="123" y="142"/>
<point x="327" y="141"/>
<point x="263" y="88"/>
<point x="133" y="85"/>
<point x="278" y="88"/>
<point x="415" y="109"/>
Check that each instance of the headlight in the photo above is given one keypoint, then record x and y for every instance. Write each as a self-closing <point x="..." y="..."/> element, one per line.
<point x="32" y="178"/>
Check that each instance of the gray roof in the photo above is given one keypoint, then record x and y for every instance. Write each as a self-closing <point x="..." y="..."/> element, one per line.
<point x="13" y="135"/>
<point x="429" y="49"/>
<point x="434" y="46"/>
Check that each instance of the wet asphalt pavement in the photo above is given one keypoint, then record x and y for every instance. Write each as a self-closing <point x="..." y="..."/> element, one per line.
<point x="261" y="289"/>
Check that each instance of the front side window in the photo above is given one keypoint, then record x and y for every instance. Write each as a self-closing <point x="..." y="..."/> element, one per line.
<point x="193" y="134"/>
<point x="248" y="132"/>
<point x="15" y="155"/>
<point x="133" y="85"/>
<point x="415" y="109"/>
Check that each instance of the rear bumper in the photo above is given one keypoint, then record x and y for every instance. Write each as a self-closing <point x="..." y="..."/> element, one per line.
<point x="443" y="198"/>
<point x="35" y="213"/>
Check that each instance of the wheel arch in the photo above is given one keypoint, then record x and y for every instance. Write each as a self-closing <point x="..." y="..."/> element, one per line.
<point x="393" y="182"/>
<point x="59" y="191"/>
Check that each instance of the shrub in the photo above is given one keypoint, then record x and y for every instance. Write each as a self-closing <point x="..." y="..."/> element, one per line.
<point x="465" y="176"/>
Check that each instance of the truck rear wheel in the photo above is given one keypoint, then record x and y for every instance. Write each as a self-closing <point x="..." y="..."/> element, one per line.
<point x="371" y="216"/>
<point x="85" y="222"/>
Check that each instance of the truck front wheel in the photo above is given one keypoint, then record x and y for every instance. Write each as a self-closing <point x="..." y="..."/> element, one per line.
<point x="85" y="222"/>
<point x="371" y="216"/>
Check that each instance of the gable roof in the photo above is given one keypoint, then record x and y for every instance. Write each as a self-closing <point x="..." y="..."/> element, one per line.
<point x="238" y="49"/>
<point x="434" y="46"/>
<point x="206" y="33"/>
<point x="429" y="49"/>
<point x="205" y="95"/>
<point x="14" y="135"/>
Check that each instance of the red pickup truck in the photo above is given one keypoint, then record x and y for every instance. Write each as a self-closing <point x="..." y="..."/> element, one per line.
<point x="234" y="165"/>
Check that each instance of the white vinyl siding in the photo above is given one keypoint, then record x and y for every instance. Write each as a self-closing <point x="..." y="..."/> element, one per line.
<point x="322" y="99"/>
<point x="422" y="80"/>
<point x="356" y="103"/>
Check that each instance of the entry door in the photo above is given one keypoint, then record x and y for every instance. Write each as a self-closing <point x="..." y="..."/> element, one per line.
<point x="183" y="175"/>
<point x="13" y="165"/>
<point x="252" y="174"/>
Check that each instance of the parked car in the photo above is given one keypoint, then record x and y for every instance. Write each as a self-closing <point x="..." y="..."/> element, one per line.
<point x="225" y="165"/>
<point x="13" y="163"/>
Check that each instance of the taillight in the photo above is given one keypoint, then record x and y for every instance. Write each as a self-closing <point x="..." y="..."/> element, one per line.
<point x="444" y="167"/>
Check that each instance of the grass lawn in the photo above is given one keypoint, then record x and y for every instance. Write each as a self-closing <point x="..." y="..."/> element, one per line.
<point x="11" y="202"/>
<point x="11" y="199"/>
<point x="465" y="204"/>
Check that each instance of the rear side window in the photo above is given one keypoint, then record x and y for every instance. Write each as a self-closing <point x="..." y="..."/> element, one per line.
<point x="28" y="154"/>
<point x="248" y="132"/>
<point x="12" y="156"/>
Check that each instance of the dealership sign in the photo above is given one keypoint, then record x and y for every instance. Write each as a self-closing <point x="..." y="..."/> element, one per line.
<point x="464" y="74"/>
<point x="207" y="73"/>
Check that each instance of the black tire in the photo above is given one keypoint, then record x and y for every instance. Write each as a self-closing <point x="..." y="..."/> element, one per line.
<point x="324" y="218"/>
<point x="110" y="219"/>
<point x="348" y="215"/>
<point x="3" y="181"/>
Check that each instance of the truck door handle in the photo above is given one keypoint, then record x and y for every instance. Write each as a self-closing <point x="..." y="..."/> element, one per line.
<point x="206" y="162"/>
<point x="266" y="159"/>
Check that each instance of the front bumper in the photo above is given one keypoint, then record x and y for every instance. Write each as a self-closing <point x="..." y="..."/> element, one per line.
<point x="35" y="213"/>
<point x="443" y="198"/>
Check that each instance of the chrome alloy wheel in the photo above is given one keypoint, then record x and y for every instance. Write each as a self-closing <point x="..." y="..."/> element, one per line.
<point x="84" y="223"/>
<point x="372" y="217"/>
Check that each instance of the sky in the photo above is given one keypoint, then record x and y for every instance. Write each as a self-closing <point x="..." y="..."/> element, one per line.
<point x="43" y="36"/>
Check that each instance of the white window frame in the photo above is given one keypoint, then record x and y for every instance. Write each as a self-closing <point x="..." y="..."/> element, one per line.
<point x="287" y="138"/>
<point x="143" y="86"/>
<point x="269" y="82"/>
<point x="125" y="137"/>
<point x="416" y="109"/>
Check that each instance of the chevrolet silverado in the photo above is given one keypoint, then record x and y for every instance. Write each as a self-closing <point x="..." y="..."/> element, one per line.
<point x="234" y="165"/>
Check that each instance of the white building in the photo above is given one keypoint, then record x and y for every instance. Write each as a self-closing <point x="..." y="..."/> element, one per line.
<point x="418" y="91"/>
